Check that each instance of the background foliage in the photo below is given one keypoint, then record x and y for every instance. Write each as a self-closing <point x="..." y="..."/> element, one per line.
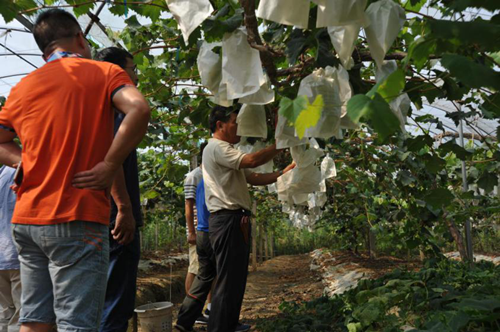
<point x="405" y="189"/>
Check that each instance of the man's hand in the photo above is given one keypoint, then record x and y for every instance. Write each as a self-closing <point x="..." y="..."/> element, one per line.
<point x="98" y="178"/>
<point x="192" y="237"/>
<point x="124" y="229"/>
<point x="289" y="167"/>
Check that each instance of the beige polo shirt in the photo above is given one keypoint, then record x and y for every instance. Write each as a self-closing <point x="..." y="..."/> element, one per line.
<point x="225" y="183"/>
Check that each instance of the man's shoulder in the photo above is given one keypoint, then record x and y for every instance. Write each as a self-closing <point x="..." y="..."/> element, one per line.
<point x="194" y="176"/>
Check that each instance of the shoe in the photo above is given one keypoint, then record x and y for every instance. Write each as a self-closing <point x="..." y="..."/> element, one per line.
<point x="206" y="313"/>
<point x="201" y="320"/>
<point x="242" y="327"/>
<point x="182" y="328"/>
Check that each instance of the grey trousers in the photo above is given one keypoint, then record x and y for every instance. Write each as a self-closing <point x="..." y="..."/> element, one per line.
<point x="10" y="300"/>
<point x="193" y="303"/>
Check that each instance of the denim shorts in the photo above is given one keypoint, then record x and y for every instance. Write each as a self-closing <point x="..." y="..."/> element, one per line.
<point x="63" y="273"/>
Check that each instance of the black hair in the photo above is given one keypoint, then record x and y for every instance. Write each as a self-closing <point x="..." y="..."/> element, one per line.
<point x="220" y="113"/>
<point x="202" y="147"/>
<point x="114" y="55"/>
<point x="52" y="25"/>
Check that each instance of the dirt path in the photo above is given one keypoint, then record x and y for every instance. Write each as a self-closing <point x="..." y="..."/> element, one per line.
<point x="283" y="278"/>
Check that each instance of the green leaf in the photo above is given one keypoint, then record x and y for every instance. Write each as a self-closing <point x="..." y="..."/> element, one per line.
<point x="291" y="109"/>
<point x="376" y="112"/>
<point x="368" y="313"/>
<point x="451" y="146"/>
<point x="324" y="54"/>
<point x="471" y="73"/>
<point x="297" y="44"/>
<point x="391" y="87"/>
<point x="9" y="9"/>
<point x="151" y="194"/>
<point x="354" y="327"/>
<point x="487" y="181"/>
<point x="420" y="50"/>
<point x="437" y="198"/>
<point x="309" y="116"/>
<point x="476" y="304"/>
<point x="491" y="106"/>
<point x="433" y="163"/>
<point x="81" y="6"/>
<point x="478" y="34"/>
<point x="215" y="27"/>
<point x="453" y="90"/>
<point x="133" y="23"/>
<point x="414" y="5"/>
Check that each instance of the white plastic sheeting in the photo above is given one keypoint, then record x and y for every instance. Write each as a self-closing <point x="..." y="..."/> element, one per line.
<point x="340" y="12"/>
<point x="344" y="40"/>
<point x="251" y="121"/>
<point x="210" y="69"/>
<point x="241" y="66"/>
<point x="285" y="134"/>
<point x="386" y="69"/>
<point x="386" y="19"/>
<point x="288" y="12"/>
<point x="263" y="96"/>
<point x="189" y="14"/>
<point x="400" y="107"/>
<point x="295" y="186"/>
<point x="333" y="84"/>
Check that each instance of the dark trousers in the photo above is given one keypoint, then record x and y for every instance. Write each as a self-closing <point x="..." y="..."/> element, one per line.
<point x="232" y="253"/>
<point x="193" y="303"/>
<point x="122" y="284"/>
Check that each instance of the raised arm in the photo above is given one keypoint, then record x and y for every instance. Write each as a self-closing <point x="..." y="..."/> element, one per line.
<point x="258" y="179"/>
<point x="259" y="158"/>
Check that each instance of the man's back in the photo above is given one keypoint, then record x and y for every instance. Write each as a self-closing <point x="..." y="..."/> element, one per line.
<point x="63" y="117"/>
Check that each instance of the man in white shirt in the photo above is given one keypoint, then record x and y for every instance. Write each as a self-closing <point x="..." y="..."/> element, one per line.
<point x="226" y="174"/>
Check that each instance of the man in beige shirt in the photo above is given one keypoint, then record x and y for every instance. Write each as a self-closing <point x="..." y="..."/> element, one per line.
<point x="226" y="174"/>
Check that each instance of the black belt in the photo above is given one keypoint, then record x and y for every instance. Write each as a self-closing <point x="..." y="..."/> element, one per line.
<point x="226" y="211"/>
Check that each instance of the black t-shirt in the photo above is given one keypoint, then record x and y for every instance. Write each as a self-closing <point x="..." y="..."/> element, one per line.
<point x="131" y="180"/>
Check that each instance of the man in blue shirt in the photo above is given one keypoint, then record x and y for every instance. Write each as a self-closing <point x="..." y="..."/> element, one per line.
<point x="193" y="303"/>
<point x="10" y="282"/>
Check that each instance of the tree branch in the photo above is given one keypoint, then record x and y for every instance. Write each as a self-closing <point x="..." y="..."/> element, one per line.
<point x="266" y="53"/>
<point x="27" y="11"/>
<point x="466" y="135"/>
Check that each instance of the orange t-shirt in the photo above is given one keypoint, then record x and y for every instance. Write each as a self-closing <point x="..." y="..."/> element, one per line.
<point x="62" y="113"/>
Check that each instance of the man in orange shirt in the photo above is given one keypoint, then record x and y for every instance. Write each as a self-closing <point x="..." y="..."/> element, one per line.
<point x="62" y="114"/>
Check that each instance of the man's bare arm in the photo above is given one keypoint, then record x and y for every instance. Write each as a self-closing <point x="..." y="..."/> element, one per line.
<point x="258" y="179"/>
<point x="259" y="158"/>
<point x="124" y="229"/>
<point x="189" y="211"/>
<point x="10" y="151"/>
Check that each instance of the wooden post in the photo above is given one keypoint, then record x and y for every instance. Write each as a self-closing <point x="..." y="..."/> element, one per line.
<point x="156" y="235"/>
<point x="271" y="244"/>
<point x="372" y="244"/>
<point x="266" y="245"/>
<point x="261" y="244"/>
<point x="254" y="237"/>
<point x="422" y="255"/>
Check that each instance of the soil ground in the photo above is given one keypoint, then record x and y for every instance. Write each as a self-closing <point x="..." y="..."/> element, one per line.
<point x="283" y="278"/>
